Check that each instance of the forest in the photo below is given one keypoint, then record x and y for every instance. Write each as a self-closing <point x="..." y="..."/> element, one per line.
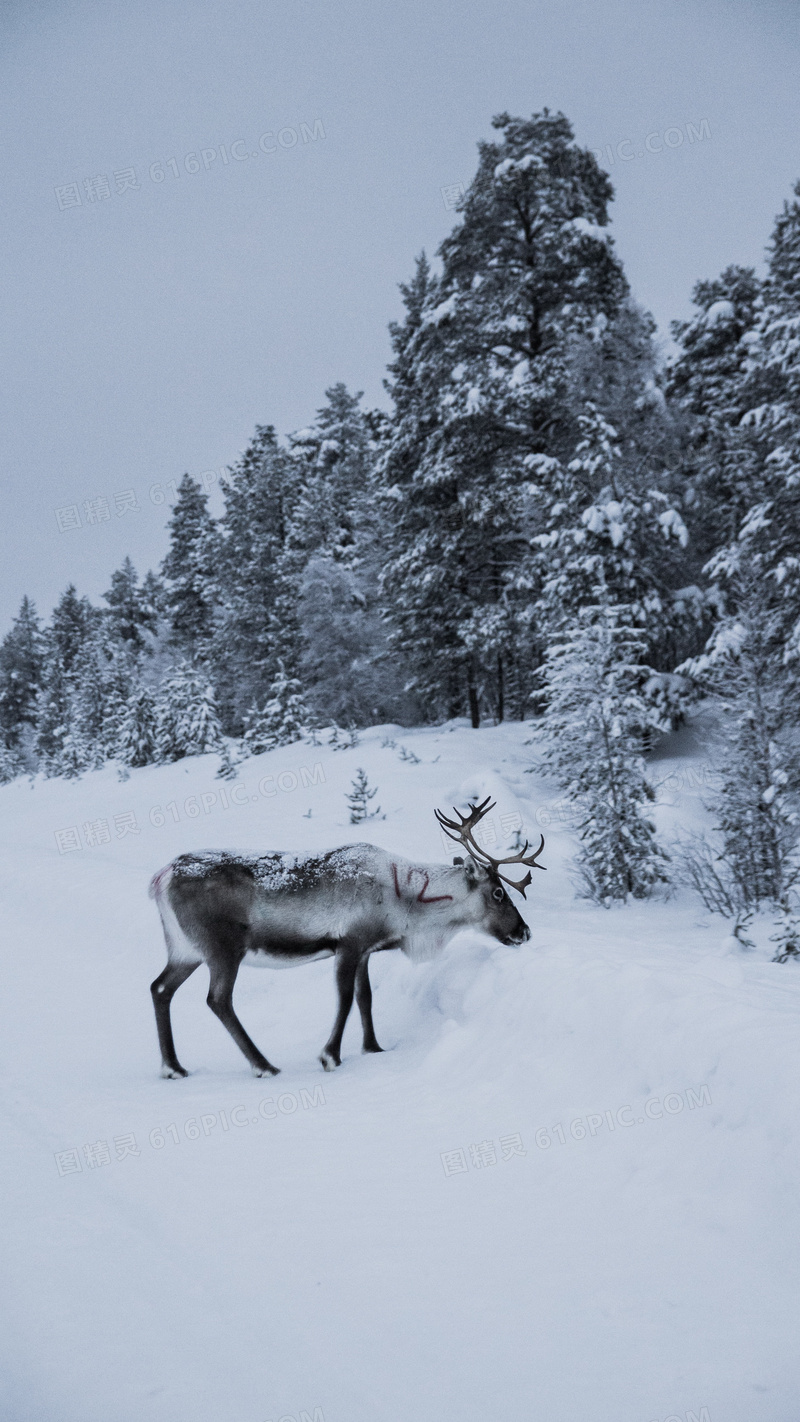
<point x="556" y="523"/>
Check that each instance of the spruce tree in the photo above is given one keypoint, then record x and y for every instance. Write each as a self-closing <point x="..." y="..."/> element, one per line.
<point x="258" y="626"/>
<point x="11" y="763"/>
<point x="591" y="733"/>
<point x="70" y="628"/>
<point x="359" y="799"/>
<point x="612" y="535"/>
<point x="707" y="388"/>
<point x="283" y="720"/>
<point x="103" y="674"/>
<point x="130" y="610"/>
<point x="481" y="385"/>
<point x="189" y="570"/>
<point x="756" y="835"/>
<point x="334" y="459"/>
<point x="761" y="533"/>
<point x="21" y="655"/>
<point x="137" y="739"/>
<point x="187" y="722"/>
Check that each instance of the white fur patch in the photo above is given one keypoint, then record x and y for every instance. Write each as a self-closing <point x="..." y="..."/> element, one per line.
<point x="275" y="960"/>
<point x="179" y="947"/>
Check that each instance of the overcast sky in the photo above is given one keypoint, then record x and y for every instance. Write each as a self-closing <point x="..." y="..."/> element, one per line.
<point x="146" y="332"/>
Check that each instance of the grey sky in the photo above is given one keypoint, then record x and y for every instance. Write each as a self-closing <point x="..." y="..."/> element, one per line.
<point x="147" y="332"/>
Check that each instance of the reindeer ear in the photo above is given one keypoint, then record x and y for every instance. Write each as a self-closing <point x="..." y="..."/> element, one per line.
<point x="472" y="872"/>
<point x="458" y="859"/>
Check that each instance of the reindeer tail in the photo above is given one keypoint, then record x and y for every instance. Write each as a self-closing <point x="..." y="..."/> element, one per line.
<point x="157" y="881"/>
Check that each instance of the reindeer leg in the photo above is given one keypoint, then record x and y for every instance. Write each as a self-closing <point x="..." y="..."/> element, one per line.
<point x="346" y="966"/>
<point x="223" y="972"/>
<point x="163" y="990"/>
<point x="364" y="1000"/>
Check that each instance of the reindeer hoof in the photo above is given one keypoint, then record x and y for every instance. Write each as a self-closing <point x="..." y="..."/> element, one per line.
<point x="265" y="1070"/>
<point x="329" y="1062"/>
<point x="173" y="1073"/>
<point x="373" y="1047"/>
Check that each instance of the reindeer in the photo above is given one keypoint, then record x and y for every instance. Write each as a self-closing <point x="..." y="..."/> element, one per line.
<point x="281" y="909"/>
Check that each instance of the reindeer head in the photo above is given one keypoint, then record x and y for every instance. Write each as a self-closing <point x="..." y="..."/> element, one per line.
<point x="483" y="871"/>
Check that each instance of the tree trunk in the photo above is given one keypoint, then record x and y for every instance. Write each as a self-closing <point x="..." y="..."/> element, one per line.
<point x="500" y="690"/>
<point x="472" y="692"/>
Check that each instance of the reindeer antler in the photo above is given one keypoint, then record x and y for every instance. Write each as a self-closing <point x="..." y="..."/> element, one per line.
<point x="461" y="831"/>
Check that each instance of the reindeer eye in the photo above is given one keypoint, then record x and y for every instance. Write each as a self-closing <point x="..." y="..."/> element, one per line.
<point x="498" y="895"/>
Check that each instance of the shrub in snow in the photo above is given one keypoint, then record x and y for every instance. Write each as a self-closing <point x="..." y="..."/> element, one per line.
<point x="787" y="938"/>
<point x="340" y="739"/>
<point x="592" y="736"/>
<point x="359" y="799"/>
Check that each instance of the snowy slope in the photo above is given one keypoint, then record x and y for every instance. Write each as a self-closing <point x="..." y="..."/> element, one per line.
<point x="313" y="1251"/>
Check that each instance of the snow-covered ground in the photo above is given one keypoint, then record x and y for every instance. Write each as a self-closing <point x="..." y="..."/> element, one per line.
<point x="622" y="1243"/>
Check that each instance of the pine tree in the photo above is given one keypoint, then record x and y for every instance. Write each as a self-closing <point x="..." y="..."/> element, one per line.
<point x="104" y="674"/>
<point x="348" y="673"/>
<point x="11" y="763"/>
<point x="707" y="387"/>
<point x="612" y="536"/>
<point x="21" y="655"/>
<point x="787" y="937"/>
<point x="591" y="733"/>
<point x="481" y="384"/>
<point x="137" y="740"/>
<point x="756" y="835"/>
<point x="72" y="624"/>
<point x="335" y="550"/>
<point x="258" y="626"/>
<point x="334" y="458"/>
<point x="359" y="799"/>
<point x="761" y="530"/>
<point x="283" y="720"/>
<point x="131" y="613"/>
<point x="187" y="719"/>
<point x="189" y="570"/>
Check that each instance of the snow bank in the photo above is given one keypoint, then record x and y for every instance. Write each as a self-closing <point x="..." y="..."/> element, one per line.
<point x="567" y="1188"/>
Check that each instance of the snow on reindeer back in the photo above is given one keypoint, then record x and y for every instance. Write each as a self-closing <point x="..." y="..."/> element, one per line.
<point x="281" y="870"/>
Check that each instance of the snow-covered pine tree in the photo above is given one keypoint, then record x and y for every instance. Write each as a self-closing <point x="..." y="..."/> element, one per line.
<point x="103" y="674"/>
<point x="187" y="719"/>
<point x="257" y="579"/>
<point x="349" y="676"/>
<point x="283" y="720"/>
<point x="756" y="842"/>
<point x="11" y="762"/>
<point x="335" y="457"/>
<point x="707" y="392"/>
<point x="591" y="738"/>
<point x="360" y="798"/>
<point x="611" y="535"/>
<point x="21" y="654"/>
<point x="480" y="383"/>
<point x="130" y="610"/>
<point x="70" y="627"/>
<point x="760" y="534"/>
<point x="189" y="571"/>
<point x="335" y="543"/>
<point x="137" y="740"/>
<point x="786" y="937"/>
